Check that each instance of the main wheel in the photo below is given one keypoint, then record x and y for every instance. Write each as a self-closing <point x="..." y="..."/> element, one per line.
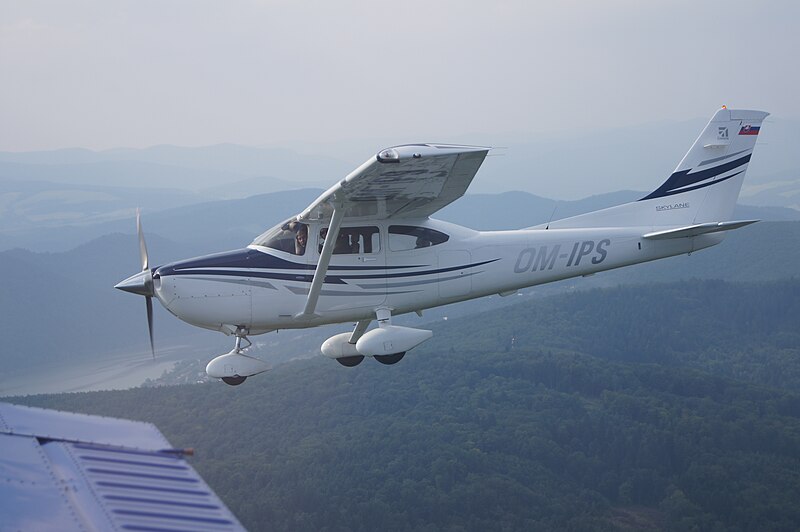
<point x="233" y="381"/>
<point x="390" y="359"/>
<point x="350" y="362"/>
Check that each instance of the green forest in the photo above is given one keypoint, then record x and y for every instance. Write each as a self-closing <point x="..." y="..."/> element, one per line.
<point x="659" y="407"/>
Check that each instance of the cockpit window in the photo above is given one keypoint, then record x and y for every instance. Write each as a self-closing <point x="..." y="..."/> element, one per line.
<point x="405" y="237"/>
<point x="353" y="240"/>
<point x="291" y="237"/>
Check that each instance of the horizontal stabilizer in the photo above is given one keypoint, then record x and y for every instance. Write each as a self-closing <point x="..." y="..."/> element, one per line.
<point x="698" y="229"/>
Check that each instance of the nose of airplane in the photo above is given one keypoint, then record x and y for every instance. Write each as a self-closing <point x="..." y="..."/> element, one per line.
<point x="140" y="283"/>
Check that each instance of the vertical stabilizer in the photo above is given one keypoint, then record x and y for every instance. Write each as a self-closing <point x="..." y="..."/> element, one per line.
<point x="712" y="172"/>
<point x="703" y="188"/>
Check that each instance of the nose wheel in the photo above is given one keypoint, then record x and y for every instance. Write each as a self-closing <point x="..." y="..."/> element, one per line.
<point x="236" y="380"/>
<point x="234" y="367"/>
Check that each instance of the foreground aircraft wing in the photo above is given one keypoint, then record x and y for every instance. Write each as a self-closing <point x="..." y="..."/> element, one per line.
<point x="61" y="471"/>
<point x="411" y="181"/>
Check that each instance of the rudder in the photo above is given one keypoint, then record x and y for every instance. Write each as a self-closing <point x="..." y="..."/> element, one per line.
<point x="703" y="188"/>
<point x="710" y="175"/>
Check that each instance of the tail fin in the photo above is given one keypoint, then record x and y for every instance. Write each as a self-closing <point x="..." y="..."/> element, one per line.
<point x="711" y="174"/>
<point x="703" y="188"/>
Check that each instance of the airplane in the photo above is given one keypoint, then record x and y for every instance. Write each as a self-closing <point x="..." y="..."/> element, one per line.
<point x="367" y="249"/>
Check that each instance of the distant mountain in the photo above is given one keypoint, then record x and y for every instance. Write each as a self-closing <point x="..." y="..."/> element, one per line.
<point x="779" y="189"/>
<point x="62" y="307"/>
<point x="74" y="188"/>
<point x="573" y="164"/>
<point x="30" y="204"/>
<point x="515" y="210"/>
<point x="224" y="224"/>
<point x="594" y="160"/>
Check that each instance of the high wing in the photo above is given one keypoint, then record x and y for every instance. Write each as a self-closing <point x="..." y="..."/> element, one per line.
<point x="411" y="181"/>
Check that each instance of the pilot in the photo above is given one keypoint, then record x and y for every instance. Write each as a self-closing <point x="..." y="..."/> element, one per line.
<point x="322" y="234"/>
<point x="300" y="237"/>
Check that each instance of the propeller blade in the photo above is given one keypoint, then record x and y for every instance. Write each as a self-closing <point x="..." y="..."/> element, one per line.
<point x="142" y="245"/>
<point x="149" y="301"/>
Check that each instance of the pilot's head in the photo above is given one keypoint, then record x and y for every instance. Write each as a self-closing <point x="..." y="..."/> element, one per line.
<point x="302" y="234"/>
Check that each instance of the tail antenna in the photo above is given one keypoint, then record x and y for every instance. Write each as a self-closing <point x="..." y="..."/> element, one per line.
<point x="551" y="216"/>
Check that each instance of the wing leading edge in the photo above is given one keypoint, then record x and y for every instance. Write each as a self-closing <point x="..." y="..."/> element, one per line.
<point x="411" y="181"/>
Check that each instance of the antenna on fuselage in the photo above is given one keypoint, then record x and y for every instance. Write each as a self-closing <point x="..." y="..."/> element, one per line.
<point x="551" y="216"/>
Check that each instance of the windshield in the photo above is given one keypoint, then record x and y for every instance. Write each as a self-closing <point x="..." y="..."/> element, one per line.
<point x="290" y="236"/>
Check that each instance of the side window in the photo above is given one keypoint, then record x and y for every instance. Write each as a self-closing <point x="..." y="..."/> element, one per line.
<point x="405" y="237"/>
<point x="353" y="240"/>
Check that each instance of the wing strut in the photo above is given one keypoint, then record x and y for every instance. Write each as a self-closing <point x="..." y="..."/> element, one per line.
<point x="324" y="260"/>
<point x="358" y="332"/>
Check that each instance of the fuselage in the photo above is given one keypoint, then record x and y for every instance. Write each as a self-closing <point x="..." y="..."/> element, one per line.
<point x="402" y="265"/>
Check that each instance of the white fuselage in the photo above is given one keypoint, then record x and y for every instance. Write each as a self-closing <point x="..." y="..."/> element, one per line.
<point x="260" y="289"/>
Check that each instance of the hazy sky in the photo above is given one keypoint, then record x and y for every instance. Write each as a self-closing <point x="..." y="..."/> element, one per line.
<point x="103" y="74"/>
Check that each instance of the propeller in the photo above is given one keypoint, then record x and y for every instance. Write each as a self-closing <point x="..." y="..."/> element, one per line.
<point x="148" y="281"/>
<point x="142" y="282"/>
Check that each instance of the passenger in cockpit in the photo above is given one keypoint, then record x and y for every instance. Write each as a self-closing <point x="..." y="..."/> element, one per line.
<point x="301" y="239"/>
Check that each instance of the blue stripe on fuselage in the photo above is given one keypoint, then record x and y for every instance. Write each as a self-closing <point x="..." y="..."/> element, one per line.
<point x="254" y="263"/>
<point x="251" y="258"/>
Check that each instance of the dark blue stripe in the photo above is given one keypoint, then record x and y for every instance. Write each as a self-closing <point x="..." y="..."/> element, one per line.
<point x="161" y="454"/>
<point x="134" y="462"/>
<point x="143" y="528"/>
<point x="176" y="517"/>
<point x="139" y="475"/>
<point x="672" y="193"/>
<point x="251" y="258"/>
<point x="684" y="178"/>
<point x="123" y="485"/>
<point x="415" y="274"/>
<point x="161" y="501"/>
<point x="261" y="275"/>
<point x="330" y="279"/>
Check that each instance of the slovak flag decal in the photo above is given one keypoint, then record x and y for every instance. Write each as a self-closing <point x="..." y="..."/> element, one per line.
<point x="749" y="130"/>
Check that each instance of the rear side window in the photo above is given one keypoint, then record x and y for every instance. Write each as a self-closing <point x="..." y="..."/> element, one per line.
<point x="405" y="237"/>
<point x="353" y="240"/>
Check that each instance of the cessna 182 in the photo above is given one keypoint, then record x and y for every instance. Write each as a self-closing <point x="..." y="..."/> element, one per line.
<point x="367" y="250"/>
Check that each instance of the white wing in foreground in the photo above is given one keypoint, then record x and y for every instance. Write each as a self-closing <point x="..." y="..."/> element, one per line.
<point x="61" y="472"/>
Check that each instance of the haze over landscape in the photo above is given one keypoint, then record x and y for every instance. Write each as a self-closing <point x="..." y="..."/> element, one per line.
<point x="664" y="396"/>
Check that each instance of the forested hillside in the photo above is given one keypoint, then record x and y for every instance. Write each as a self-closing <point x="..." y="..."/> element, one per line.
<point x="624" y="409"/>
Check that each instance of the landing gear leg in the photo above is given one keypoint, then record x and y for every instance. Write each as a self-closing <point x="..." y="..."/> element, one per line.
<point x="241" y="334"/>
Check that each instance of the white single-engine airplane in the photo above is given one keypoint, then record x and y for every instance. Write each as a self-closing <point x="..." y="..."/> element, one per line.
<point x="368" y="250"/>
